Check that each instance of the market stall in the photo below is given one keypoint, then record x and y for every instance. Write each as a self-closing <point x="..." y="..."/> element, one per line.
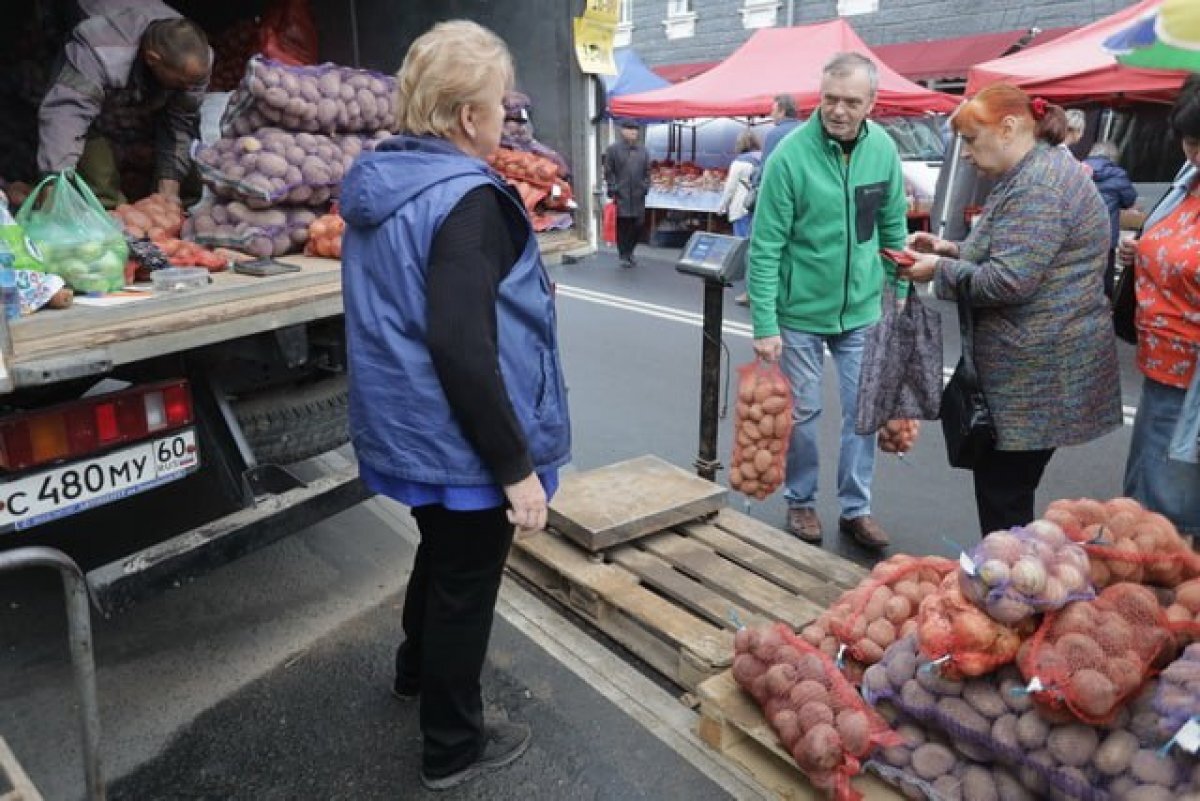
<point x="772" y="62"/>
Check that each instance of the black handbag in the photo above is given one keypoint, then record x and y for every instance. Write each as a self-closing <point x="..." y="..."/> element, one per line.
<point x="1125" y="306"/>
<point x="967" y="423"/>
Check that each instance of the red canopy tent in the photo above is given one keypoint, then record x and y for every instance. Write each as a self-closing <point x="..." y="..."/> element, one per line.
<point x="778" y="61"/>
<point x="1076" y="68"/>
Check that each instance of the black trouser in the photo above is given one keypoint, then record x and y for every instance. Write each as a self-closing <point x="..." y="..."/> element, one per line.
<point x="447" y="622"/>
<point x="629" y="229"/>
<point x="1005" y="483"/>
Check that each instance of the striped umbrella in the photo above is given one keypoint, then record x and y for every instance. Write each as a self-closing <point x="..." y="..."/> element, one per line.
<point x="1165" y="38"/>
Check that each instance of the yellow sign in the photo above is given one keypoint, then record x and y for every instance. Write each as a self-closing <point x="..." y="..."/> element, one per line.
<point x="594" y="44"/>
<point x="604" y="11"/>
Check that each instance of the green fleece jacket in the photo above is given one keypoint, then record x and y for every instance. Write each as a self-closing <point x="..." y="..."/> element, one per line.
<point x="819" y="223"/>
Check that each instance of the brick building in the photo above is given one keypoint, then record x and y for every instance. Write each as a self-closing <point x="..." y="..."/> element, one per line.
<point x="690" y="31"/>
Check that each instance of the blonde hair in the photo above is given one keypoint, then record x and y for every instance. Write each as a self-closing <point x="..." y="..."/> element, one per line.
<point x="747" y="140"/>
<point x="451" y="65"/>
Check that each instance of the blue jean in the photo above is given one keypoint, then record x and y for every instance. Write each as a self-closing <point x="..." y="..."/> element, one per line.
<point x="1163" y="485"/>
<point x="803" y="360"/>
<point x="741" y="226"/>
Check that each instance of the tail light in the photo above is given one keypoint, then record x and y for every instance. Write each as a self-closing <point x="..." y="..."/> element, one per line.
<point x="78" y="428"/>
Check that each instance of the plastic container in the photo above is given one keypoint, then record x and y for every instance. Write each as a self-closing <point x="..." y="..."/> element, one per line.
<point x="179" y="279"/>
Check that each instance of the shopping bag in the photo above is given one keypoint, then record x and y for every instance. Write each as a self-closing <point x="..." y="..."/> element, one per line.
<point x="901" y="376"/>
<point x="610" y="223"/>
<point x="77" y="239"/>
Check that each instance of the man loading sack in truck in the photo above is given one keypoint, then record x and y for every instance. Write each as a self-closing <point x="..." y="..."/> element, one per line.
<point x="125" y="57"/>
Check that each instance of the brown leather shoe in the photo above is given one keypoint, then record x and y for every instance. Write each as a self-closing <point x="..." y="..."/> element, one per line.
<point x="804" y="523"/>
<point x="865" y="531"/>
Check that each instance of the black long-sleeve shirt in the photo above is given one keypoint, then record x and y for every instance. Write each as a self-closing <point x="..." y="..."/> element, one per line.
<point x="473" y="251"/>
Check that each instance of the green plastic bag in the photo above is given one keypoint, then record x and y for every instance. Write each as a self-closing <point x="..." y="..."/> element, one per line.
<point x="25" y="253"/>
<point x="76" y="237"/>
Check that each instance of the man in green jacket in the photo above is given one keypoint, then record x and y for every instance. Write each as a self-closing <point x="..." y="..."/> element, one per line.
<point x="832" y="195"/>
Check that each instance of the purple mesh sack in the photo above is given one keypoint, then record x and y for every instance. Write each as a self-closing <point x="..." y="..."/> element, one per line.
<point x="1018" y="573"/>
<point x="275" y="167"/>
<point x="324" y="98"/>
<point x="993" y="718"/>
<point x="1177" y="698"/>
<point x="262" y="233"/>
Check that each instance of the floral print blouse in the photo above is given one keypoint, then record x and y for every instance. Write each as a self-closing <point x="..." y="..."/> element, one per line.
<point x="1168" y="296"/>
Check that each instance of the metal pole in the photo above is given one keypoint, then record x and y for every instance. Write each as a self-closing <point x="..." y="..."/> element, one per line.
<point x="80" y="633"/>
<point x="1106" y="125"/>
<point x="710" y="380"/>
<point x="943" y="213"/>
<point x="354" y="52"/>
<point x="791" y="9"/>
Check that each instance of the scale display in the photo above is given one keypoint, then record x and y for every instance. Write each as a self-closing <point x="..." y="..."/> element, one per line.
<point x="714" y="257"/>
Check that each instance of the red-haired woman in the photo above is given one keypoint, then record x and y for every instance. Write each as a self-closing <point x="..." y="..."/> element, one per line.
<point x="1033" y="271"/>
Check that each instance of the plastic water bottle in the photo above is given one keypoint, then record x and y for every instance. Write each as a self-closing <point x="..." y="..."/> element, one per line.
<point x="10" y="300"/>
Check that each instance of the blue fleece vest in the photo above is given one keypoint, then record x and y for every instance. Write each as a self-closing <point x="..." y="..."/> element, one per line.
<point x="400" y="421"/>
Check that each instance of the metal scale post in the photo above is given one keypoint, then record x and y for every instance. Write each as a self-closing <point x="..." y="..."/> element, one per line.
<point x="719" y="260"/>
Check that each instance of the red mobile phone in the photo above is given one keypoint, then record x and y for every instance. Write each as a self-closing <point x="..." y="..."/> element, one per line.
<point x="899" y="257"/>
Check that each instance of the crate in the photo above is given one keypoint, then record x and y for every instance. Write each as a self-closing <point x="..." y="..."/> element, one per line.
<point x="675" y="597"/>
<point x="731" y="723"/>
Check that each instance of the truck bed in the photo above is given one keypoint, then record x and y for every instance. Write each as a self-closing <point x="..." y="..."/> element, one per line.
<point x="54" y="345"/>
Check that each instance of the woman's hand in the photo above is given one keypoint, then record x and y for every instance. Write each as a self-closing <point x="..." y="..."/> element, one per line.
<point x="924" y="242"/>
<point x="922" y="270"/>
<point x="1127" y="251"/>
<point x="528" y="500"/>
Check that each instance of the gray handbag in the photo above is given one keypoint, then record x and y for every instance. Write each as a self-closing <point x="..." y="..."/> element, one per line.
<point x="901" y="377"/>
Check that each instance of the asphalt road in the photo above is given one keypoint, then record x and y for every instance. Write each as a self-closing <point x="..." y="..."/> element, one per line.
<point x="268" y="678"/>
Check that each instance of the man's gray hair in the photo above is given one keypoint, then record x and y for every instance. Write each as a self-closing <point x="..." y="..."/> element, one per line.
<point x="1105" y="150"/>
<point x="844" y="64"/>
<point x="1076" y="120"/>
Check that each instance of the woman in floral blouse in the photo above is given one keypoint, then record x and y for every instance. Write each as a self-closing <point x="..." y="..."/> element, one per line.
<point x="1167" y="260"/>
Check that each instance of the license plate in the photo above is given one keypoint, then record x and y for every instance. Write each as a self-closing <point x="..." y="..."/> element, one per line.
<point x="63" y="491"/>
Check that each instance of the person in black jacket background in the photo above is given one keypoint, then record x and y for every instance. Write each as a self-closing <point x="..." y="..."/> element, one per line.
<point x="627" y="176"/>
<point x="1118" y="193"/>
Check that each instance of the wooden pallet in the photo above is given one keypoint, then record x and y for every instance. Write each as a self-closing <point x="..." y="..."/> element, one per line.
<point x="731" y="723"/>
<point x="674" y="597"/>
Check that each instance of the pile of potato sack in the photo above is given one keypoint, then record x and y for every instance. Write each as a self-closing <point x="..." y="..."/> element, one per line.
<point x="1054" y="660"/>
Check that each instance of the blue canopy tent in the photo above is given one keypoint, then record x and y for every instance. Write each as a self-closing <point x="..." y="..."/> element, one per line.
<point x="632" y="76"/>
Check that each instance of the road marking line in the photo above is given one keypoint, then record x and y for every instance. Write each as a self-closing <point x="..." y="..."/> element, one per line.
<point x="731" y="327"/>
<point x="641" y="699"/>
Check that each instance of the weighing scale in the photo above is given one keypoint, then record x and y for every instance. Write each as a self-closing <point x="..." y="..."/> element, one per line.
<point x="719" y="260"/>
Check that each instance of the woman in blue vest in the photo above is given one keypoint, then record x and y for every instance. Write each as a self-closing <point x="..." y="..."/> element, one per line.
<point x="457" y="403"/>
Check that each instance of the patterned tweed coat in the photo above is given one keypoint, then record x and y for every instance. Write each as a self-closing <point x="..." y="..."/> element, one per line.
<point x="1044" y="343"/>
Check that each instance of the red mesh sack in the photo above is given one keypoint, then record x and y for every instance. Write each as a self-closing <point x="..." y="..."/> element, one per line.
<point x="232" y="48"/>
<point x="899" y="436"/>
<point x="1014" y="574"/>
<point x="884" y="606"/>
<point x="1183" y="612"/>
<point x="1092" y="655"/>
<point x="762" y="426"/>
<point x="288" y="33"/>
<point x="963" y="639"/>
<point x="610" y="223"/>
<point x="1126" y="542"/>
<point x="819" y="717"/>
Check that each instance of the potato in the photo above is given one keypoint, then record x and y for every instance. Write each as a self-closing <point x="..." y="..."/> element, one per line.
<point x="932" y="760"/>
<point x="1147" y="766"/>
<point x="1032" y="731"/>
<point x="1073" y="744"/>
<point x="1114" y="755"/>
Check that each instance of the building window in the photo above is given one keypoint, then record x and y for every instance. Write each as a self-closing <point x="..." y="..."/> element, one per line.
<point x="624" y="34"/>
<point x="681" y="19"/>
<point x="760" y="13"/>
<point x="847" y="8"/>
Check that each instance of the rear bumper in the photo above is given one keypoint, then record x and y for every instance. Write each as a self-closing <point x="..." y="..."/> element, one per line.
<point x="119" y="584"/>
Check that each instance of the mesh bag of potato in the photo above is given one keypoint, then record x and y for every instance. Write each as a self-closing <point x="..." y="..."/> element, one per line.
<point x="898" y="436"/>
<point x="1183" y="611"/>
<point x="819" y="717"/>
<point x="883" y="607"/>
<point x="762" y="425"/>
<point x="963" y="639"/>
<point x="1177" y="692"/>
<point x="1012" y="575"/>
<point x="324" y="98"/>
<point x="1126" y="542"/>
<point x="993" y="718"/>
<point x="259" y="232"/>
<point x="1092" y="655"/>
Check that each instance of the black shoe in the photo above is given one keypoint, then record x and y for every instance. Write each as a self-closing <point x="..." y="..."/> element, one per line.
<point x="626" y="263"/>
<point x="406" y="690"/>
<point x="506" y="743"/>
